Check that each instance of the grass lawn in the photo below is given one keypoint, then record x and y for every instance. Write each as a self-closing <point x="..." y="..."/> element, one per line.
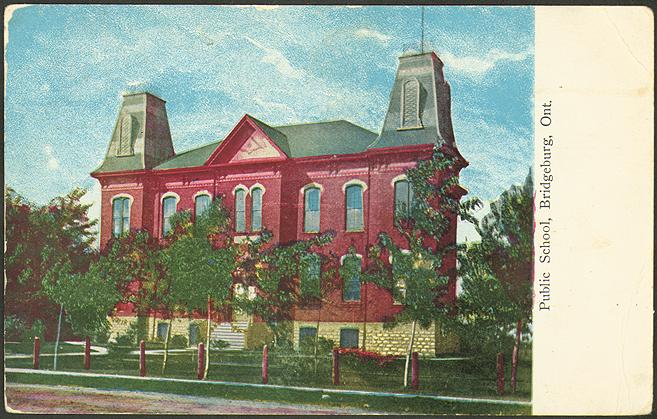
<point x="200" y="388"/>
<point x="464" y="378"/>
<point x="26" y="348"/>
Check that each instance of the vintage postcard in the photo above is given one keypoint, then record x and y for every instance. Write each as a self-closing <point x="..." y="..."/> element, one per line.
<point x="301" y="210"/>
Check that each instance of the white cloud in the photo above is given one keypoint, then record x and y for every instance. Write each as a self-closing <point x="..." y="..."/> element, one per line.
<point x="135" y="83"/>
<point x="93" y="197"/>
<point x="52" y="162"/>
<point x="478" y="66"/>
<point x="373" y="34"/>
<point x="266" y="7"/>
<point x="276" y="58"/>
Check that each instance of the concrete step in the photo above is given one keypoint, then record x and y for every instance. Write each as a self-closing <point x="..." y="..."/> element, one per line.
<point x="224" y="331"/>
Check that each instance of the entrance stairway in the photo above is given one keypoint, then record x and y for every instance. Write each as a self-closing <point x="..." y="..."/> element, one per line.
<point x="233" y="333"/>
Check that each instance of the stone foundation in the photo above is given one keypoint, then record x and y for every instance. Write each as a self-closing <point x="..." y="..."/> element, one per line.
<point x="387" y="341"/>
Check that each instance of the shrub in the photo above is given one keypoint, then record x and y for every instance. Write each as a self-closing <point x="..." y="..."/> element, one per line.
<point x="178" y="342"/>
<point x="368" y="356"/>
<point x="14" y="328"/>
<point x="37" y="329"/>
<point x="218" y="344"/>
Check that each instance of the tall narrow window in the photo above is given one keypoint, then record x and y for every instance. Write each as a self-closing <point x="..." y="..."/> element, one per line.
<point x="354" y="196"/>
<point x="410" y="104"/>
<point x="240" y="210"/>
<point x="125" y="136"/>
<point x="403" y="198"/>
<point x="256" y="209"/>
<point x="201" y="204"/>
<point x="120" y="216"/>
<point x="311" y="210"/>
<point x="168" y="209"/>
<point x="351" y="284"/>
<point x="310" y="274"/>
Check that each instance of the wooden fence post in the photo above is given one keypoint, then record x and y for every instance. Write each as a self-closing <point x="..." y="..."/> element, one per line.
<point x="415" y="371"/>
<point x="36" y="353"/>
<point x="265" y="364"/>
<point x="500" y="373"/>
<point x="201" y="360"/>
<point x="87" y="353"/>
<point x="142" y="359"/>
<point x="336" y="367"/>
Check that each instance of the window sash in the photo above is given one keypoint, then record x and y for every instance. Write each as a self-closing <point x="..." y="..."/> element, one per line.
<point x="168" y="209"/>
<point x="256" y="209"/>
<point x="120" y="216"/>
<point x="240" y="213"/>
<point x="351" y="286"/>
<point x="403" y="198"/>
<point x="354" y="207"/>
<point x="349" y="338"/>
<point x="201" y="204"/>
<point x="312" y="211"/>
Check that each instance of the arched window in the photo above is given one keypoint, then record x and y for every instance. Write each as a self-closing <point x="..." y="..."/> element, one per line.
<point x="310" y="274"/>
<point x="403" y="198"/>
<point x="169" y="204"/>
<point x="354" y="215"/>
<point x="120" y="216"/>
<point x="240" y="210"/>
<point x="410" y="116"/>
<point x="256" y="209"/>
<point x="201" y="204"/>
<point x="311" y="210"/>
<point x="351" y="284"/>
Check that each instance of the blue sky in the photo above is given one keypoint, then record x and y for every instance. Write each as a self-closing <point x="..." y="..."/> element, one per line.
<point x="69" y="65"/>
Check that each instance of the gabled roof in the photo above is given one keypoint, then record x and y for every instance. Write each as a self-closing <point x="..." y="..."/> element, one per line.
<point x="299" y="140"/>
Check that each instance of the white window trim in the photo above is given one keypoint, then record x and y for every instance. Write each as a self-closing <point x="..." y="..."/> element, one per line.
<point x="358" y="255"/>
<point x="242" y="187"/>
<point x="303" y="189"/>
<point x="302" y="197"/>
<point x="397" y="179"/>
<point x="354" y="182"/>
<point x="131" y="199"/>
<point x="200" y="193"/>
<point x="168" y="195"/>
<point x="257" y="185"/>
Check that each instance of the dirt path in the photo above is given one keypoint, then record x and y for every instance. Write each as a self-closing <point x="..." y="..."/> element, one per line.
<point x="28" y="398"/>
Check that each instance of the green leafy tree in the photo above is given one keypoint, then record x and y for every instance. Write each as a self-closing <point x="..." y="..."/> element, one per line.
<point x="42" y="241"/>
<point x="413" y="269"/>
<point x="201" y="258"/>
<point x="276" y="274"/>
<point x="496" y="273"/>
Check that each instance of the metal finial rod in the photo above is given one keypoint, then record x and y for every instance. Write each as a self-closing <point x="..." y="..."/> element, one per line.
<point x="422" y="32"/>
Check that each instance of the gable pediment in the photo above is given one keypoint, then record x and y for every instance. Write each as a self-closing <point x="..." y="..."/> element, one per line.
<point x="246" y="142"/>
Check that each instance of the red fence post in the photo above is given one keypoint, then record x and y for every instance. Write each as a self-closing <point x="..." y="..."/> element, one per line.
<point x="415" y="371"/>
<point x="265" y="364"/>
<point x="500" y="373"/>
<point x="36" y="353"/>
<point x="87" y="353"/>
<point x="336" y="367"/>
<point x="201" y="360"/>
<point x="142" y="359"/>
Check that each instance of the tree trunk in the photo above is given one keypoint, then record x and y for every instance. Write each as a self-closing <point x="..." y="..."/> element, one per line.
<point x="408" y="354"/>
<point x="59" y="328"/>
<point x="154" y="334"/>
<point x="514" y="357"/>
<point x="207" y="339"/>
<point x="166" y="345"/>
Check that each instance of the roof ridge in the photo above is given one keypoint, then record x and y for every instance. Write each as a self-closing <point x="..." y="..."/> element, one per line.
<point x="326" y="122"/>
